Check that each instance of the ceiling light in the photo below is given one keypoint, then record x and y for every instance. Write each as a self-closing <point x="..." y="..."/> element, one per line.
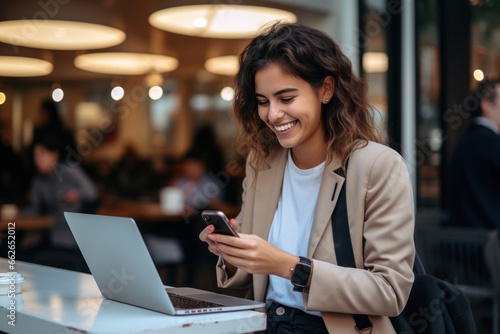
<point x="117" y="93"/>
<point x="155" y="92"/>
<point x="227" y="93"/>
<point x="125" y="63"/>
<point x="225" y="65"/>
<point x="2" y="98"/>
<point x="223" y="21"/>
<point x="478" y="75"/>
<point x="375" y="62"/>
<point x="24" y="67"/>
<point x="57" y="94"/>
<point x="59" y="35"/>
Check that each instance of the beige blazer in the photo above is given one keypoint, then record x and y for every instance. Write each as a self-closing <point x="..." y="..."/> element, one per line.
<point x="381" y="218"/>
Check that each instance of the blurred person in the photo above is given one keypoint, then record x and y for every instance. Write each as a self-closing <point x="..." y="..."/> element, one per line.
<point x="304" y="115"/>
<point x="205" y="142"/>
<point x="475" y="165"/>
<point x="132" y="176"/>
<point x="58" y="187"/>
<point x="475" y="173"/>
<point x="13" y="183"/>
<point x="200" y="189"/>
<point x="49" y="123"/>
<point x="211" y="153"/>
<point x="203" y="177"/>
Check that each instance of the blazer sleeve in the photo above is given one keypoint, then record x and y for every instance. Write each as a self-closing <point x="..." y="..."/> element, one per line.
<point x="383" y="286"/>
<point x="240" y="279"/>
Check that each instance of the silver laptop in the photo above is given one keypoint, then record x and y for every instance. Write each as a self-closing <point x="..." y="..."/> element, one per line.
<point x="124" y="271"/>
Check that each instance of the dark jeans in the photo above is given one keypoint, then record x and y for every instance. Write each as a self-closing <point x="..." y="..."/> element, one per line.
<point x="286" y="320"/>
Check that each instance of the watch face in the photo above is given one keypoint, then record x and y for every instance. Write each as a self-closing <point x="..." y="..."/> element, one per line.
<point x="301" y="274"/>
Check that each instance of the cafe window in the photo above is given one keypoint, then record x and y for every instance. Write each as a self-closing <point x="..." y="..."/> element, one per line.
<point x="429" y="133"/>
<point x="374" y="58"/>
<point x="485" y="40"/>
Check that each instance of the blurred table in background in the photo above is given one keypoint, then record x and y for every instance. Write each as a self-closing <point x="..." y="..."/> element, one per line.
<point x="28" y="223"/>
<point x="139" y="211"/>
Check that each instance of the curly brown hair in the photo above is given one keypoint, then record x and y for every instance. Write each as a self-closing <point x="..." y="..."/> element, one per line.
<point x="311" y="55"/>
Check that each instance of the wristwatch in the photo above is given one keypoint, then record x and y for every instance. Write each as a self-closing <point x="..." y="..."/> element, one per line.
<point x="301" y="274"/>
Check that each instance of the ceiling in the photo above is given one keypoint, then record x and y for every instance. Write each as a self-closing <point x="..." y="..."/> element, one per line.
<point x="132" y="18"/>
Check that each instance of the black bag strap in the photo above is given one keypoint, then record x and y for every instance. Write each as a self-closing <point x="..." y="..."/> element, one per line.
<point x="343" y="248"/>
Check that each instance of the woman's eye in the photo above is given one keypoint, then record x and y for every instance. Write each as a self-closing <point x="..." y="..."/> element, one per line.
<point x="262" y="103"/>
<point x="287" y="99"/>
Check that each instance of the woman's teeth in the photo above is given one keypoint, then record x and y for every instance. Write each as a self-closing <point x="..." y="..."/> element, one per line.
<point x="285" y="126"/>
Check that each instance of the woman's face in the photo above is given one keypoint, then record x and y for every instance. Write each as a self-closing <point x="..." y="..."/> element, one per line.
<point x="290" y="107"/>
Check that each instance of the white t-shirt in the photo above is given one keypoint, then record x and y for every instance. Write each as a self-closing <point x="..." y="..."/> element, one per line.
<point x="292" y="225"/>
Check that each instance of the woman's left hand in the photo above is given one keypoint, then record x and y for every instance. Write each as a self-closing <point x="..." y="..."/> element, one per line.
<point x="255" y="255"/>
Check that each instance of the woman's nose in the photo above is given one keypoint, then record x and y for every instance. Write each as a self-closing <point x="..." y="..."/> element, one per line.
<point x="275" y="113"/>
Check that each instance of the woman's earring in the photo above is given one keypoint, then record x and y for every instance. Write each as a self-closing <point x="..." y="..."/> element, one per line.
<point x="326" y="101"/>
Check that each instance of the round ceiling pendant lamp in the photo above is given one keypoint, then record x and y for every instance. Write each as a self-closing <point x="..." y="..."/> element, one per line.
<point x="217" y="21"/>
<point x="24" y="67"/>
<point x="224" y="65"/>
<point x="59" y="34"/>
<point x="60" y="25"/>
<point x="125" y="63"/>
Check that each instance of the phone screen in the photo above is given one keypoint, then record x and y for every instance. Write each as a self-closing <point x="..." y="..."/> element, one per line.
<point x="219" y="220"/>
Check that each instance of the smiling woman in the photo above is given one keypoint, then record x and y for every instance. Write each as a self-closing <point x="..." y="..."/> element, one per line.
<point x="304" y="114"/>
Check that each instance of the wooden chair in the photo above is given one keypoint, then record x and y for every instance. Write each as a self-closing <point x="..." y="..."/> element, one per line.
<point x="457" y="255"/>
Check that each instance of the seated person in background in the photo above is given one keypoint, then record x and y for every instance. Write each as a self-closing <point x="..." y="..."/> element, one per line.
<point x="200" y="188"/>
<point x="132" y="175"/>
<point x="59" y="187"/>
<point x="475" y="165"/>
<point x="206" y="162"/>
<point x="50" y="123"/>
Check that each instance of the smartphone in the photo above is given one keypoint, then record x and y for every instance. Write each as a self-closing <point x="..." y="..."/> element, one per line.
<point x="219" y="220"/>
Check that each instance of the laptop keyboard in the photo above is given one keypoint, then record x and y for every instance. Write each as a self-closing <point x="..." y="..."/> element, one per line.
<point x="184" y="302"/>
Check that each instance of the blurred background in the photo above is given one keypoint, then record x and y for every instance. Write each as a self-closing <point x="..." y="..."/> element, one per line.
<point x="145" y="90"/>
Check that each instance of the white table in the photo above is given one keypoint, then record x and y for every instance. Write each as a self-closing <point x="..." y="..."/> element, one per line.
<point x="56" y="301"/>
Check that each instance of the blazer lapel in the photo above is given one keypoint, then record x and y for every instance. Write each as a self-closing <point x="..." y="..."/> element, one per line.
<point x="331" y="183"/>
<point x="268" y="189"/>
